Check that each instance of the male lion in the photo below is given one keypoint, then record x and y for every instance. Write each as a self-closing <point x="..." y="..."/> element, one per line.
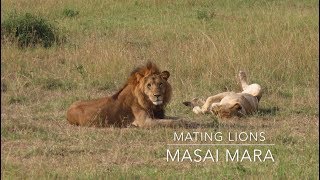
<point x="139" y="102"/>
<point x="228" y="104"/>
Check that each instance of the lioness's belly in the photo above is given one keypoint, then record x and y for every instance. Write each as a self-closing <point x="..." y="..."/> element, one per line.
<point x="248" y="103"/>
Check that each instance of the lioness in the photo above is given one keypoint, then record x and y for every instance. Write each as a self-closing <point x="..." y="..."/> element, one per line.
<point x="228" y="104"/>
<point x="139" y="102"/>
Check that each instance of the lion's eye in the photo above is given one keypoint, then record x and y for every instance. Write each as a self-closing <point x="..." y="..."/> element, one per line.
<point x="149" y="85"/>
<point x="160" y="85"/>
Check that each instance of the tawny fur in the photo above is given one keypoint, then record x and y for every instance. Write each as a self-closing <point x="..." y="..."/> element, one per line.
<point x="228" y="104"/>
<point x="140" y="102"/>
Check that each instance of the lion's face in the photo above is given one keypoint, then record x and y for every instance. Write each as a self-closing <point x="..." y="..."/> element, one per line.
<point x="155" y="87"/>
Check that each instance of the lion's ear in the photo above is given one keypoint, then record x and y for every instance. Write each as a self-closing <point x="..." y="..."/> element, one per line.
<point x="139" y="76"/>
<point x="165" y="75"/>
<point x="237" y="106"/>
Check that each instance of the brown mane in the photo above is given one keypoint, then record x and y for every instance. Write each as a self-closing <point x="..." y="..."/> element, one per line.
<point x="149" y="68"/>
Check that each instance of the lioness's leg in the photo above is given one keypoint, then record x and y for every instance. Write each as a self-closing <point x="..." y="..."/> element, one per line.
<point x="253" y="89"/>
<point x="243" y="80"/>
<point x="212" y="100"/>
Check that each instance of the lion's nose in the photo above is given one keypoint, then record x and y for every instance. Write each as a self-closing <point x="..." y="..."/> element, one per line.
<point x="157" y="95"/>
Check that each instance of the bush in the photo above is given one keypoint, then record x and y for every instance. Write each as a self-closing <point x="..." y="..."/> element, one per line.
<point x="29" y="30"/>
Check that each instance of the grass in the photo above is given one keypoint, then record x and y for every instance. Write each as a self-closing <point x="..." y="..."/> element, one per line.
<point x="203" y="44"/>
<point x="70" y="12"/>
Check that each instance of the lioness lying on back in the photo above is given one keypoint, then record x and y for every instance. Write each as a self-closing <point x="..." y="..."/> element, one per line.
<point x="228" y="104"/>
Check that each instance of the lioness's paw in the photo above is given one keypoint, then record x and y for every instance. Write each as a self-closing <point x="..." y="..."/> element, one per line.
<point x="197" y="102"/>
<point x="242" y="74"/>
<point x="197" y="110"/>
<point x="194" y="102"/>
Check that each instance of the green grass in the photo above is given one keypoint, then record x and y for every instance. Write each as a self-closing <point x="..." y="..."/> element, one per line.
<point x="29" y="30"/>
<point x="203" y="44"/>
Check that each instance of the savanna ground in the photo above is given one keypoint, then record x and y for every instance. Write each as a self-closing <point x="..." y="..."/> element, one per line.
<point x="202" y="43"/>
